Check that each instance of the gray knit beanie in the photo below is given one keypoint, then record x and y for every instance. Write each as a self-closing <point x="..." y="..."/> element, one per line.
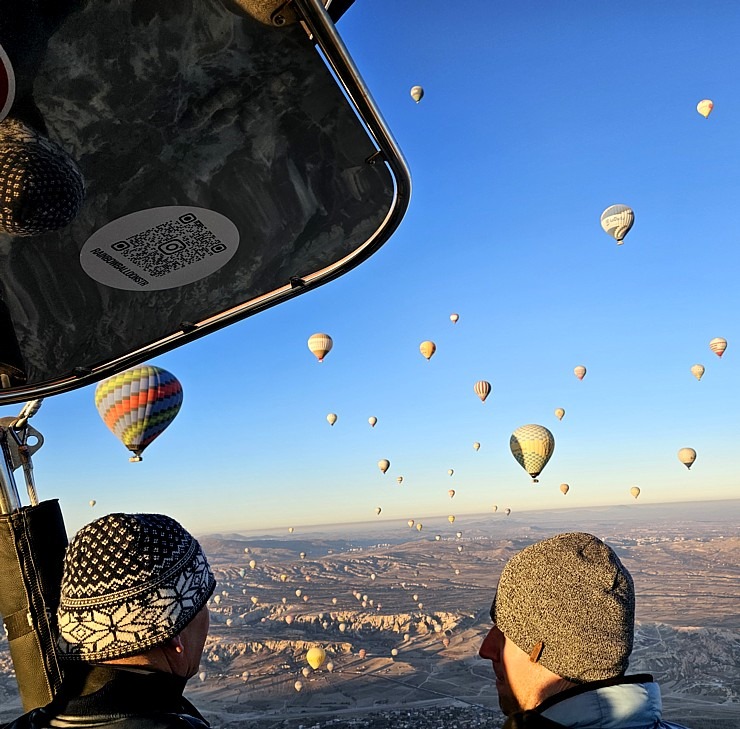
<point x="130" y="582"/>
<point x="571" y="594"/>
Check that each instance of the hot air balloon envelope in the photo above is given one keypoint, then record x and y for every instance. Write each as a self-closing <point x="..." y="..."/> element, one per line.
<point x="704" y="107"/>
<point x="698" y="371"/>
<point x="476" y="446"/>
<point x="315" y="657"/>
<point x="532" y="446"/>
<point x="320" y="345"/>
<point x="564" y="488"/>
<point x="451" y="493"/>
<point x="559" y="412"/>
<point x="417" y="93"/>
<point x="482" y="389"/>
<point x="454" y="318"/>
<point x="138" y="404"/>
<point x="617" y="220"/>
<point x="687" y="456"/>
<point x="427" y="349"/>
<point x="579" y="372"/>
<point x="635" y="491"/>
<point x="384" y="464"/>
<point x="718" y="345"/>
<point x="372" y="420"/>
<point x="331" y="418"/>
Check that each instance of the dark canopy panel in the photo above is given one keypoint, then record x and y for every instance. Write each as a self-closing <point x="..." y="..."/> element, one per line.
<point x="205" y="160"/>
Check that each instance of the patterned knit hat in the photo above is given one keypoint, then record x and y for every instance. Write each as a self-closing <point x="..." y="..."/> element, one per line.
<point x="570" y="603"/>
<point x="131" y="582"/>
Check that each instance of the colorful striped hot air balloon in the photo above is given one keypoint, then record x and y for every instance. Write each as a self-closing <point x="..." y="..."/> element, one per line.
<point x="482" y="389"/>
<point x="704" y="107"/>
<point x="320" y="345"/>
<point x="617" y="220"/>
<point x="138" y="404"/>
<point x="718" y="345"/>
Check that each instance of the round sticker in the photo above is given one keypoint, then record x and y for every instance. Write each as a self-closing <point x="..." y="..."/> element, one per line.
<point x="7" y="84"/>
<point x="159" y="248"/>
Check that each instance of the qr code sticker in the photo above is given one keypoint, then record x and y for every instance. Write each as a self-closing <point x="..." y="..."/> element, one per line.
<point x="170" y="246"/>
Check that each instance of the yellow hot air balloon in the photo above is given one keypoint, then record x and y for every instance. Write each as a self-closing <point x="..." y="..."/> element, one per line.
<point x="410" y="522"/>
<point x="564" y="488"/>
<point x="92" y="503"/>
<point x="372" y="420"/>
<point x="617" y="220"/>
<point x="482" y="389"/>
<point x="704" y="107"/>
<point x="450" y="472"/>
<point x="454" y="318"/>
<point x="315" y="657"/>
<point x="495" y="508"/>
<point x="427" y="348"/>
<point x="687" y="456"/>
<point x="507" y="512"/>
<point x="635" y="491"/>
<point x="559" y="412"/>
<point x="331" y="418"/>
<point x="417" y="93"/>
<point x="283" y="577"/>
<point x="451" y="493"/>
<point x="384" y="464"/>
<point x="320" y="345"/>
<point x="302" y="555"/>
<point x="290" y="530"/>
<point x="532" y="446"/>
<point x="476" y="446"/>
<point x="698" y="371"/>
<point x="378" y="510"/>
<point x="718" y="345"/>
<point x="579" y="372"/>
<point x="400" y="479"/>
<point x="298" y="592"/>
<point x="252" y="564"/>
<point x="298" y="685"/>
<point x="419" y="527"/>
<point x="451" y="519"/>
<point x="330" y="666"/>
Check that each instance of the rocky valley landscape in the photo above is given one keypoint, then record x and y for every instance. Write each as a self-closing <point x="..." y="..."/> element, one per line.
<point x="401" y="613"/>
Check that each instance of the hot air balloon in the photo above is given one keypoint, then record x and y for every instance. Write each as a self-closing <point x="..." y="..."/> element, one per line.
<point x="302" y="555"/>
<point x="451" y="519"/>
<point x="446" y="642"/>
<point x="373" y="576"/>
<point x="579" y="372"/>
<point x="138" y="404"/>
<point x="246" y="550"/>
<point x="564" y="488"/>
<point x="419" y="527"/>
<point x="320" y="345"/>
<point x="417" y="93"/>
<point x="290" y="530"/>
<point x="202" y="676"/>
<point x="329" y="666"/>
<point x="687" y="456"/>
<point x="400" y="479"/>
<point x="635" y="491"/>
<point x="454" y="318"/>
<point x="495" y="508"/>
<point x="315" y="657"/>
<point x="698" y="371"/>
<point x="334" y="601"/>
<point x="254" y="600"/>
<point x="458" y="534"/>
<point x="362" y="653"/>
<point x="252" y="564"/>
<point x="704" y="107"/>
<point x="242" y="572"/>
<point x="298" y="685"/>
<point x="459" y="547"/>
<point x="427" y="349"/>
<point x="394" y="651"/>
<point x="217" y="599"/>
<point x="476" y="446"/>
<point x="288" y="619"/>
<point x="507" y="512"/>
<point x="451" y="493"/>
<point x="532" y="446"/>
<point x="617" y="220"/>
<point x="718" y="345"/>
<point x="437" y="537"/>
<point x="342" y="627"/>
<point x="410" y="522"/>
<point x="384" y="464"/>
<point x="306" y="672"/>
<point x="372" y="420"/>
<point x="283" y="577"/>
<point x="378" y="510"/>
<point x="482" y="389"/>
<point x="559" y="412"/>
<point x="331" y="418"/>
<point x="92" y="503"/>
<point x="450" y="472"/>
<point x="298" y="592"/>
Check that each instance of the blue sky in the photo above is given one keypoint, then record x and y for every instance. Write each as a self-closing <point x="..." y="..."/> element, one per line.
<point x="537" y="116"/>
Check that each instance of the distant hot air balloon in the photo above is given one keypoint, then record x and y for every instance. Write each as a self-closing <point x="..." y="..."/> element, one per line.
<point x="417" y="93"/>
<point x="138" y="404"/>
<point x="532" y="446"/>
<point x="718" y="345"/>
<point x="617" y="220"/>
<point x="384" y="464"/>
<point x="559" y="412"/>
<point x="290" y="530"/>
<point x="320" y="345"/>
<point x="288" y="619"/>
<point x="302" y="555"/>
<point x="704" y="107"/>
<point x="378" y="510"/>
<point x="342" y="627"/>
<point x="298" y="592"/>
<point x="315" y="657"/>
<point x="252" y="564"/>
<point x="495" y="508"/>
<point x="246" y="550"/>
<point x="419" y="527"/>
<point x="283" y="577"/>
<point x="476" y="446"/>
<point x="635" y="491"/>
<point x="306" y="672"/>
<point x="372" y="420"/>
<point x="446" y="642"/>
<point x="373" y="577"/>
<point x="217" y="599"/>
<point x="202" y="676"/>
<point x="564" y="488"/>
<point x="579" y="372"/>
<point x="454" y="318"/>
<point x="331" y="418"/>
<point x="687" y="456"/>
<point x="451" y="519"/>
<point x="329" y="666"/>
<point x="400" y="479"/>
<point x="458" y="534"/>
<point x="298" y="685"/>
<point x="482" y="389"/>
<point x="459" y="547"/>
<point x="427" y="349"/>
<point x="507" y="512"/>
<point x="394" y="651"/>
<point x="410" y="522"/>
<point x="451" y="493"/>
<point x="698" y="371"/>
<point x="92" y="503"/>
<point x="450" y="472"/>
<point x="437" y="537"/>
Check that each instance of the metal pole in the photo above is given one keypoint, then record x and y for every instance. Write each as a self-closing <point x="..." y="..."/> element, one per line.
<point x="10" y="500"/>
